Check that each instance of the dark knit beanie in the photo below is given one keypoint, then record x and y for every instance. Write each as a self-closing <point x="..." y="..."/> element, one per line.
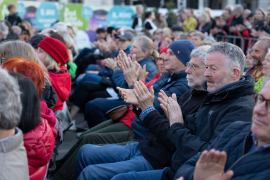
<point x="35" y="40"/>
<point x="182" y="50"/>
<point x="56" y="49"/>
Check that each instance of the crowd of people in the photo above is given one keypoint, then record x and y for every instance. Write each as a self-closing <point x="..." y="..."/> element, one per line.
<point x="158" y="103"/>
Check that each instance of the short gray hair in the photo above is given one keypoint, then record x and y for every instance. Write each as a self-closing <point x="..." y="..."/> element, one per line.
<point x="234" y="54"/>
<point x="239" y="7"/>
<point x="10" y="101"/>
<point x="200" y="52"/>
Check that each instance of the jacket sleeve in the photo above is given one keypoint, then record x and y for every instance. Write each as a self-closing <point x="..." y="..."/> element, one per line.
<point x="177" y="88"/>
<point x="159" y="126"/>
<point x="189" y="144"/>
<point x="135" y="22"/>
<point x="106" y="73"/>
<point x="188" y="168"/>
<point x="118" y="79"/>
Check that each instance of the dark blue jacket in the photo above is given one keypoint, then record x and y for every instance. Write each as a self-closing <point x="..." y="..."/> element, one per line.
<point x="221" y="108"/>
<point x="118" y="79"/>
<point x="236" y="141"/>
<point x="177" y="83"/>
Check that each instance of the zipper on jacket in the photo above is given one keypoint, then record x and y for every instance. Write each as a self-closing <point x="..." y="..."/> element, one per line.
<point x="242" y="156"/>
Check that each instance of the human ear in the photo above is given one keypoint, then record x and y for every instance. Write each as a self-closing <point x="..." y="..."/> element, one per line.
<point x="235" y="74"/>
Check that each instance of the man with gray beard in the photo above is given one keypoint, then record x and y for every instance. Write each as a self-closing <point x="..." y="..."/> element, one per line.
<point x="259" y="51"/>
<point x="190" y="102"/>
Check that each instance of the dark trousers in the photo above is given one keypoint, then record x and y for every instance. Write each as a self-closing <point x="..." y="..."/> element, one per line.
<point x="105" y="133"/>
<point x="95" y="110"/>
<point x="88" y="91"/>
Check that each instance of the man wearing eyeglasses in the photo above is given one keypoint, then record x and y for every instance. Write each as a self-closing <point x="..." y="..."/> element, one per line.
<point x="242" y="151"/>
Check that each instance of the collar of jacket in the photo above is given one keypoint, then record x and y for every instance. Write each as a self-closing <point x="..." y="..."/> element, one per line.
<point x="10" y="143"/>
<point x="243" y="87"/>
<point x="145" y="60"/>
<point x="248" y="143"/>
<point x="176" y="75"/>
<point x="195" y="92"/>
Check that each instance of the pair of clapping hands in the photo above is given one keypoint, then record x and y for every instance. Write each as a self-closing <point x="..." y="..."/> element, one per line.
<point x="142" y="98"/>
<point x="132" y="70"/>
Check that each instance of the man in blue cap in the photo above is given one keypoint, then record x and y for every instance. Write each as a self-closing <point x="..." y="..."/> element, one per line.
<point x="104" y="162"/>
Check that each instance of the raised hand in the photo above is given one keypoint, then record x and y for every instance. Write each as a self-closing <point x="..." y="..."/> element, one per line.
<point x="144" y="97"/>
<point x="110" y="63"/>
<point x="174" y="111"/>
<point x="163" y="99"/>
<point x="128" y="96"/>
<point x="142" y="74"/>
<point x="210" y="166"/>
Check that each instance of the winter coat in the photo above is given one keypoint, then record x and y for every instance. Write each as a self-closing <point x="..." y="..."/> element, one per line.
<point x="236" y="141"/>
<point x="177" y="83"/>
<point x="231" y="103"/>
<point x="48" y="95"/>
<point x="39" y="145"/>
<point x="13" y="158"/>
<point x="157" y="148"/>
<point x="61" y="83"/>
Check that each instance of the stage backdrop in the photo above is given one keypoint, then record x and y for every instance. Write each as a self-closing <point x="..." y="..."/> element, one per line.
<point x="43" y="15"/>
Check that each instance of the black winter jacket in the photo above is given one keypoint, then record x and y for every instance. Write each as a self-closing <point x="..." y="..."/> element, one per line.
<point x="231" y="103"/>
<point x="236" y="140"/>
<point x="157" y="149"/>
<point x="177" y="83"/>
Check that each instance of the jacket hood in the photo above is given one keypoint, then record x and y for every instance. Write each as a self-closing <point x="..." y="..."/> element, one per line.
<point x="61" y="83"/>
<point x="48" y="115"/>
<point x="39" y="144"/>
<point x="243" y="87"/>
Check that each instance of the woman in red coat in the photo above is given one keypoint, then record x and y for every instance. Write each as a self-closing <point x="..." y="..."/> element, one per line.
<point x="37" y="120"/>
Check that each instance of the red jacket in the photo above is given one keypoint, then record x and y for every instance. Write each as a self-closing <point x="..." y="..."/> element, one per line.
<point x="39" y="145"/>
<point x="129" y="117"/>
<point x="61" y="83"/>
<point x="48" y="114"/>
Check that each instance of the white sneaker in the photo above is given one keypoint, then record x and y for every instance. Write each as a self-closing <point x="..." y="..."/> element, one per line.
<point x="73" y="127"/>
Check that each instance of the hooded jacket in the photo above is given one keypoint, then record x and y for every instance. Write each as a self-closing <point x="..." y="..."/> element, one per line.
<point x="61" y="83"/>
<point x="39" y="145"/>
<point x="236" y="141"/>
<point x="48" y="115"/>
<point x="13" y="157"/>
<point x="233" y="102"/>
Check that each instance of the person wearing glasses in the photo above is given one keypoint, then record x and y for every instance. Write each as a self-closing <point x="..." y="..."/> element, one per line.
<point x="241" y="151"/>
<point x="229" y="99"/>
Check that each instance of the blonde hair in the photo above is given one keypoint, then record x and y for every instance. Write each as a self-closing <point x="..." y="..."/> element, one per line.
<point x="29" y="28"/>
<point x="205" y="17"/>
<point x="167" y="31"/>
<point x="50" y="62"/>
<point x="262" y="11"/>
<point x="148" y="45"/>
<point x="12" y="49"/>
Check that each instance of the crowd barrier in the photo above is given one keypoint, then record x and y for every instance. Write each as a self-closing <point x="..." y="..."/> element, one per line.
<point x="243" y="42"/>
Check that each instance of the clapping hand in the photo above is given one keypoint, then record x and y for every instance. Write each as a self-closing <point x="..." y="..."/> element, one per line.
<point x="210" y="166"/>
<point x="142" y="71"/>
<point x="129" y="68"/>
<point x="144" y="97"/>
<point x="110" y="63"/>
<point x="174" y="111"/>
<point x="163" y="99"/>
<point x="128" y="96"/>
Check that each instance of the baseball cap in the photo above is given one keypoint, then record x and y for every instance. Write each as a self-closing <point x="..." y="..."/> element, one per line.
<point x="125" y="35"/>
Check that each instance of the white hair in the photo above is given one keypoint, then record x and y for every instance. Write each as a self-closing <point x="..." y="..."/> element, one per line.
<point x="200" y="52"/>
<point x="10" y="101"/>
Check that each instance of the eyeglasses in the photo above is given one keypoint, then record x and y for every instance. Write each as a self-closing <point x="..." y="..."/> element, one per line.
<point x="258" y="99"/>
<point x="192" y="67"/>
